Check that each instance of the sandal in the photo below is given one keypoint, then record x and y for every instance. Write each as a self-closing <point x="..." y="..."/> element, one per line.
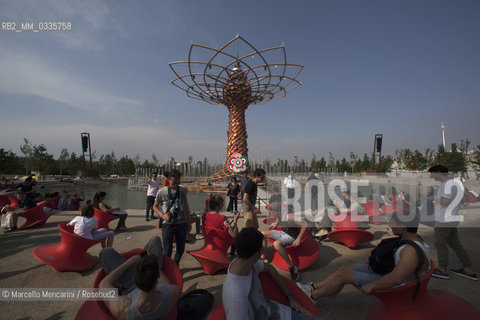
<point x="265" y="260"/>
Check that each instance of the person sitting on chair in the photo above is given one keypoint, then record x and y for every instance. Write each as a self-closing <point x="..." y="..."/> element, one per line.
<point x="10" y="215"/>
<point x="100" y="205"/>
<point x="407" y="264"/>
<point x="291" y="234"/>
<point x="145" y="291"/>
<point x="217" y="220"/>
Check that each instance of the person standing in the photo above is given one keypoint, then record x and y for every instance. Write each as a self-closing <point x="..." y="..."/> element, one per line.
<point x="313" y="190"/>
<point x="152" y="188"/>
<point x="289" y="182"/>
<point x="233" y="190"/>
<point x="446" y="225"/>
<point x="249" y="210"/>
<point x="171" y="204"/>
<point x="244" y="180"/>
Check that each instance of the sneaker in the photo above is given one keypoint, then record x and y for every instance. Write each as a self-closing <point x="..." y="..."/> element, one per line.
<point x="147" y="219"/>
<point x="440" y="274"/>
<point x="154" y="217"/>
<point x="461" y="272"/>
<point x="294" y="274"/>
<point x="199" y="236"/>
<point x="321" y="233"/>
<point x="307" y="288"/>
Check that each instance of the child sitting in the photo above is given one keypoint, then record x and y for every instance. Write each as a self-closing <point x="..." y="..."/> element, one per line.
<point x="85" y="224"/>
<point x="216" y="220"/>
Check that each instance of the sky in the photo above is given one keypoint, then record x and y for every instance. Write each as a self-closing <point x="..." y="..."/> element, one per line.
<point x="398" y="68"/>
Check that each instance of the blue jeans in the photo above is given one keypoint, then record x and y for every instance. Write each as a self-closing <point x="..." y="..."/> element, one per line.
<point x="180" y="232"/>
<point x="194" y="217"/>
<point x="111" y="259"/>
<point x="150" y="203"/>
<point x="298" y="316"/>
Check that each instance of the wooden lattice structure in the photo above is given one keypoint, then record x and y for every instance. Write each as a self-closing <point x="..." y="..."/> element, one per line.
<point x="222" y="77"/>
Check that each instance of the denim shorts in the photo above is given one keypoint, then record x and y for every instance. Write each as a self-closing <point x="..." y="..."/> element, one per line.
<point x="364" y="274"/>
<point x="285" y="238"/>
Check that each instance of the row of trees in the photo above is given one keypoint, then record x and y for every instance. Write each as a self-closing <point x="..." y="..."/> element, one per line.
<point x="37" y="158"/>
<point x="457" y="159"/>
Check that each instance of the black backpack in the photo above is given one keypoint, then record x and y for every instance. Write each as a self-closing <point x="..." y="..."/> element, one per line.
<point x="382" y="258"/>
<point x="194" y="305"/>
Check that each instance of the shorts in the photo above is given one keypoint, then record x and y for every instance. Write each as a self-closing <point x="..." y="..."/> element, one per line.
<point x="284" y="237"/>
<point x="251" y="220"/>
<point x="364" y="274"/>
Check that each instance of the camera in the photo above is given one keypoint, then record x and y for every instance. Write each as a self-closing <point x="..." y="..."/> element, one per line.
<point x="173" y="213"/>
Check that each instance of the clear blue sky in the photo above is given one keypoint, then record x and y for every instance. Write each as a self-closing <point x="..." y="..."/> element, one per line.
<point x="394" y="67"/>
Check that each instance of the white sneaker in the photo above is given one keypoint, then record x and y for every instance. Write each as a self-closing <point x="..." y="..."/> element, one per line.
<point x="199" y="236"/>
<point x="321" y="233"/>
<point x="307" y="288"/>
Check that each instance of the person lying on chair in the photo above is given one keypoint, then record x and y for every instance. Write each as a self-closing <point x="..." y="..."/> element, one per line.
<point x="242" y="293"/>
<point x="408" y="264"/>
<point x="145" y="291"/>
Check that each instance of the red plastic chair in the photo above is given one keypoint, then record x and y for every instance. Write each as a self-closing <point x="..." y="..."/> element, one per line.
<point x="302" y="256"/>
<point x="372" y="209"/>
<point x="35" y="216"/>
<point x="397" y="303"/>
<point x="97" y="309"/>
<point x="348" y="233"/>
<point x="350" y="237"/>
<point x="11" y="201"/>
<point x="269" y="220"/>
<point x="104" y="218"/>
<point x="389" y="209"/>
<point x="470" y="198"/>
<point x="213" y="255"/>
<point x="70" y="254"/>
<point x="273" y="292"/>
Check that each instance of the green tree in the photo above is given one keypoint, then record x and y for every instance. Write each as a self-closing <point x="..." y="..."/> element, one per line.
<point x="9" y="162"/>
<point x="344" y="166"/>
<point x="74" y="164"/>
<point x="63" y="160"/>
<point x="42" y="160"/>
<point x="453" y="160"/>
<point x="125" y="166"/>
<point x="415" y="161"/>
<point x="476" y="158"/>
<point x="386" y="163"/>
<point x="27" y="151"/>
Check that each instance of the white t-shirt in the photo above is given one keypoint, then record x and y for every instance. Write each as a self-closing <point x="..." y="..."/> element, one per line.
<point x="152" y="188"/>
<point x="243" y="298"/>
<point x="83" y="226"/>
<point x="450" y="189"/>
<point x="290" y="182"/>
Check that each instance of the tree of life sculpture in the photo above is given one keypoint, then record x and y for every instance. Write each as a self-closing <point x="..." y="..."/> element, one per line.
<point x="224" y="78"/>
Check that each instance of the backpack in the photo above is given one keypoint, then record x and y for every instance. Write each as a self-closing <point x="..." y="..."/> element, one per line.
<point x="382" y="258"/>
<point x="194" y="305"/>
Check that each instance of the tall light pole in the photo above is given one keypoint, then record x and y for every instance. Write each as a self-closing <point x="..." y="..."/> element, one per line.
<point x="443" y="134"/>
